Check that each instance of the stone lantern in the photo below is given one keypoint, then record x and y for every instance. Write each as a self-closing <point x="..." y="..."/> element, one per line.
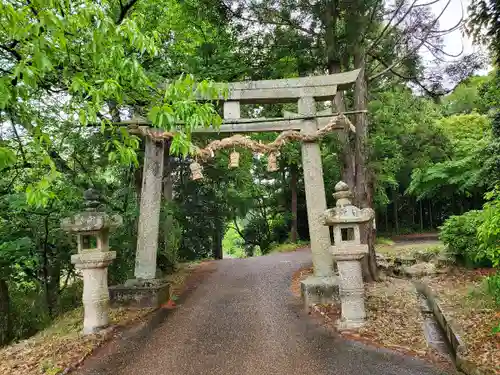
<point x="92" y="230"/>
<point x="348" y="252"/>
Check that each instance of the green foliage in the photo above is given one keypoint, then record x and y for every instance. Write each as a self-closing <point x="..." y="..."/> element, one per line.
<point x="233" y="244"/>
<point x="94" y="56"/>
<point x="169" y="246"/>
<point x="482" y="24"/>
<point x="403" y="137"/>
<point x="287" y="247"/>
<point x="28" y="311"/>
<point x="262" y="231"/>
<point x="463" y="172"/>
<point x="459" y="234"/>
<point x="179" y="110"/>
<point x="493" y="287"/>
<point x="466" y="97"/>
<point x="489" y="230"/>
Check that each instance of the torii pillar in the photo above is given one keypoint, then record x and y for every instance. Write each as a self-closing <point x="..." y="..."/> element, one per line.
<point x="315" y="194"/>
<point x="149" y="217"/>
<point x="146" y="290"/>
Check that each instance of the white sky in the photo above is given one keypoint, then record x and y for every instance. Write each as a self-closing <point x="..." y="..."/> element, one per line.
<point x="457" y="39"/>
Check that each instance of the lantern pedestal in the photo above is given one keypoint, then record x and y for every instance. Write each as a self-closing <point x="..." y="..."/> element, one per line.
<point x="352" y="292"/>
<point x="138" y="293"/>
<point x="319" y="290"/>
<point x="94" y="268"/>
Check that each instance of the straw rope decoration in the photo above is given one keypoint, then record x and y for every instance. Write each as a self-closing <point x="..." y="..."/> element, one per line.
<point x="239" y="140"/>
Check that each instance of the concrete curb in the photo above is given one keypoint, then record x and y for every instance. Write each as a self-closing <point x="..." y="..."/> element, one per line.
<point x="452" y="332"/>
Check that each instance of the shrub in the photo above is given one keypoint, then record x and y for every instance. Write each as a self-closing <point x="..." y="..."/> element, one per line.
<point x="489" y="230"/>
<point x="264" y="231"/>
<point x="459" y="234"/>
<point x="493" y="287"/>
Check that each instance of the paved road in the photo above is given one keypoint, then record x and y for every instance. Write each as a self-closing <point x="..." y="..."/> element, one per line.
<point x="243" y="320"/>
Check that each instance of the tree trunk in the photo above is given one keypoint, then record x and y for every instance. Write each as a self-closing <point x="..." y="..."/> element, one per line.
<point x="355" y="170"/>
<point x="413" y="213"/>
<point x="217" y="240"/>
<point x="363" y="190"/>
<point x="138" y="183"/>
<point x="168" y="192"/>
<point x="421" y="216"/>
<point x="348" y="159"/>
<point x="395" y="207"/>
<point x="5" y="318"/>
<point x="168" y="231"/>
<point x="293" y="183"/>
<point x="430" y="216"/>
<point x="387" y="219"/>
<point x="334" y="65"/>
<point x="54" y="289"/>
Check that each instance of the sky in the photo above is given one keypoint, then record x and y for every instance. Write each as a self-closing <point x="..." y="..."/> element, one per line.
<point x="455" y="40"/>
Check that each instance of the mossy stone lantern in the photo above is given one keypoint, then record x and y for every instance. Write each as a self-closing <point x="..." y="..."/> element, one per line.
<point x="92" y="228"/>
<point x="348" y="252"/>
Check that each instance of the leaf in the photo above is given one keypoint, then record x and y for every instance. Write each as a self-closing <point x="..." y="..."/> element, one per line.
<point x="7" y="157"/>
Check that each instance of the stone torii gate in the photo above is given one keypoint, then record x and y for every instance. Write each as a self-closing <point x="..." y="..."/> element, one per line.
<point x="145" y="289"/>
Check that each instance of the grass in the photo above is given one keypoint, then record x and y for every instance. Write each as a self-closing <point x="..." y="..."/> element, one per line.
<point x="410" y="249"/>
<point x="384" y="241"/>
<point x="66" y="325"/>
<point x="288" y="247"/>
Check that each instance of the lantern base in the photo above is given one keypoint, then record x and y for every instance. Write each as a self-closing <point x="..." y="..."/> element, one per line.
<point x="140" y="294"/>
<point x="349" y="325"/>
<point x="319" y="290"/>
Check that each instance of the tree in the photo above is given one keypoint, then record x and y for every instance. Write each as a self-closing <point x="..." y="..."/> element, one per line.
<point x="463" y="172"/>
<point x="68" y="72"/>
<point x="466" y="97"/>
<point x="86" y="62"/>
<point x="484" y="24"/>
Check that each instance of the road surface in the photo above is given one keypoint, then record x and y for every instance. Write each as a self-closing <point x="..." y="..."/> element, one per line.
<point x="243" y="320"/>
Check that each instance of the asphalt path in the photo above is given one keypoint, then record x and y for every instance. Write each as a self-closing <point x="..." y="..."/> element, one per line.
<point x="243" y="320"/>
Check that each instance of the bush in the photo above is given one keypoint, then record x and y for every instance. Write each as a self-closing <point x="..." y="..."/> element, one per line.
<point x="459" y="234"/>
<point x="493" y="286"/>
<point x="28" y="310"/>
<point x="489" y="230"/>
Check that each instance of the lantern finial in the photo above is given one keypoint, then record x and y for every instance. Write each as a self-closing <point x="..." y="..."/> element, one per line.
<point x="341" y="186"/>
<point x="91" y="199"/>
<point x="342" y="194"/>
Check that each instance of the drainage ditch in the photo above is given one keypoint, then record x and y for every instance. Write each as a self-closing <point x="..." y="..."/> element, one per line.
<point x="434" y="335"/>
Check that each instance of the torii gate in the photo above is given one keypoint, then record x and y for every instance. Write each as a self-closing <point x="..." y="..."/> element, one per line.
<point x="306" y="91"/>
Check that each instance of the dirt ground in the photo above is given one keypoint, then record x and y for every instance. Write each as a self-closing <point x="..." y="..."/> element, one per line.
<point x="462" y="296"/>
<point x="61" y="347"/>
<point x="394" y="320"/>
